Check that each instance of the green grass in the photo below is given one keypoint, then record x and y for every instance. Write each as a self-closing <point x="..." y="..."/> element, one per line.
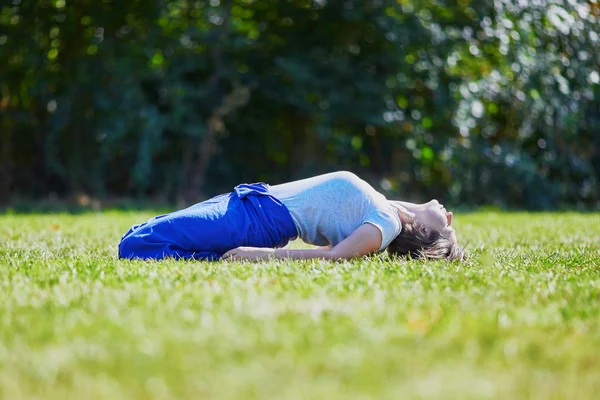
<point x="520" y="319"/>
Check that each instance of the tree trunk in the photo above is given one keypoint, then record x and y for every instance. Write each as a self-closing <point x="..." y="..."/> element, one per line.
<point x="239" y="97"/>
<point x="6" y="176"/>
<point x="196" y="175"/>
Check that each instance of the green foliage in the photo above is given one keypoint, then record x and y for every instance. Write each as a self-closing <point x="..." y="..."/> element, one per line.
<point x="519" y="319"/>
<point x="475" y="102"/>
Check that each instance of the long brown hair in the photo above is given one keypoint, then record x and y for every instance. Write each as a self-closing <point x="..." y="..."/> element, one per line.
<point x="416" y="242"/>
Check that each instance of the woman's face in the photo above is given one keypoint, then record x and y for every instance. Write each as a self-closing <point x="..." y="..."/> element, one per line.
<point x="432" y="215"/>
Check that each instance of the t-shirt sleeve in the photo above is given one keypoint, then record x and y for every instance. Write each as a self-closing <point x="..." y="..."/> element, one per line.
<point x="388" y="223"/>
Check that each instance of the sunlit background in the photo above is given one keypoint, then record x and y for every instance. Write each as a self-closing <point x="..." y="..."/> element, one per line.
<point x="473" y="102"/>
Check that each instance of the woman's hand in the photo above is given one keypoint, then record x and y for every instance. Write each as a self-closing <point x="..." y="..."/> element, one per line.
<point x="249" y="253"/>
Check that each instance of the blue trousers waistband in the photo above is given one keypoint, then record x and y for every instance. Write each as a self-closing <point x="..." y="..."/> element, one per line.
<point x="248" y="216"/>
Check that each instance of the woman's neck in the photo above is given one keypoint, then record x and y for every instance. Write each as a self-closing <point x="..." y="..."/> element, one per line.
<point x="404" y="209"/>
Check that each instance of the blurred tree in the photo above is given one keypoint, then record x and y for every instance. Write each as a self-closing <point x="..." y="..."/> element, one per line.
<point x="476" y="102"/>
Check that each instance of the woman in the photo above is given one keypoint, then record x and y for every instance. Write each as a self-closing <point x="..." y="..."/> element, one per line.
<point x="338" y="211"/>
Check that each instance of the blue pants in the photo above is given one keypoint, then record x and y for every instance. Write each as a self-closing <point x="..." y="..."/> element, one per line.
<point x="248" y="216"/>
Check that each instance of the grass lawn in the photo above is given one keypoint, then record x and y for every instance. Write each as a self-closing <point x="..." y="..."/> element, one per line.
<point x="520" y="319"/>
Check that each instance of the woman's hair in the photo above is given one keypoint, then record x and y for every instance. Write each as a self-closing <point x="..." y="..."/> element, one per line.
<point x="415" y="242"/>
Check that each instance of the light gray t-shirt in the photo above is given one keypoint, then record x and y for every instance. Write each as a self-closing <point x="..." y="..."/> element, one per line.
<point x="328" y="208"/>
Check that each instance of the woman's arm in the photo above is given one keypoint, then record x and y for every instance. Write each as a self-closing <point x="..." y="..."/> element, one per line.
<point x="364" y="240"/>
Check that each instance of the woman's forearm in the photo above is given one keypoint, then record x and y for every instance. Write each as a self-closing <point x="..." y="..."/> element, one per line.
<point x="365" y="239"/>
<point x="307" y="254"/>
